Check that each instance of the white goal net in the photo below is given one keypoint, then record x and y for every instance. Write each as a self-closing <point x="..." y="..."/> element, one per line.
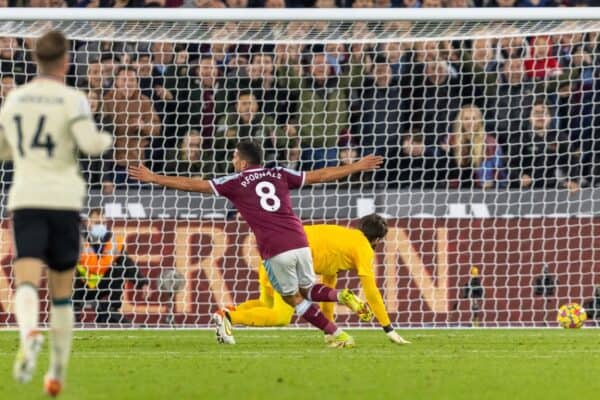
<point x="488" y="129"/>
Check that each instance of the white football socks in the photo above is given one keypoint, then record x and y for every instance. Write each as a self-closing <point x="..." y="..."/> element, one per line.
<point x="27" y="309"/>
<point x="61" y="335"/>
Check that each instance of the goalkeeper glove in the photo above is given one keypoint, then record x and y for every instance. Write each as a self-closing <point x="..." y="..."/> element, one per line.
<point x="394" y="337"/>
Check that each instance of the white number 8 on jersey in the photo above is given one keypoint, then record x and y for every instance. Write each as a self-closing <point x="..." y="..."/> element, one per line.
<point x="268" y="200"/>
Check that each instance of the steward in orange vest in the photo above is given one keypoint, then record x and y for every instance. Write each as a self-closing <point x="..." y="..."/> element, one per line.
<point x="103" y="269"/>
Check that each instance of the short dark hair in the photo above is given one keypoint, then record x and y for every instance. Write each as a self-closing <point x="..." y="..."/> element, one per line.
<point x="125" y="68"/>
<point x="50" y="49"/>
<point x="373" y="227"/>
<point x="250" y="151"/>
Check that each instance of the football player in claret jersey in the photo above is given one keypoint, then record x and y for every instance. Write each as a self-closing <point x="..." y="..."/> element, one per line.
<point x="334" y="249"/>
<point x="43" y="124"/>
<point x="261" y="195"/>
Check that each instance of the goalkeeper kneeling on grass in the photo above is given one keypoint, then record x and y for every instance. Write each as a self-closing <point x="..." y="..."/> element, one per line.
<point x="103" y="269"/>
<point x="334" y="248"/>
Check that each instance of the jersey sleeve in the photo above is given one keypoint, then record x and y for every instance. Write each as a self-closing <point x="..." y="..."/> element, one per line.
<point x="83" y="127"/>
<point x="224" y="186"/>
<point x="364" y="257"/>
<point x="78" y="107"/>
<point x="295" y="179"/>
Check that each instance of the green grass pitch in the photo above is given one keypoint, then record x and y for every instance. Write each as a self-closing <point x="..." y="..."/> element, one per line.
<point x="295" y="364"/>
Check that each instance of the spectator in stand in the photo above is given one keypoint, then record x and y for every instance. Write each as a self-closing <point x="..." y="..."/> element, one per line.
<point x="543" y="63"/>
<point x="95" y="79"/>
<point x="323" y="104"/>
<point x="293" y="156"/>
<point x="247" y="122"/>
<point x="433" y="100"/>
<point x="509" y="100"/>
<point x="190" y="158"/>
<point x="541" y="157"/>
<point x="201" y="99"/>
<point x="480" y="70"/>
<point x="347" y="154"/>
<point x="261" y="74"/>
<point x="475" y="159"/>
<point x="11" y="60"/>
<point x="165" y="77"/>
<point x="420" y="166"/>
<point x="379" y="122"/>
<point x="397" y="58"/>
<point x="289" y="72"/>
<point x="131" y="117"/>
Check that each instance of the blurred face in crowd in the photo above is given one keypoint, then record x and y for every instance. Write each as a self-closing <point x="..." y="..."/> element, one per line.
<point x="209" y="4"/>
<point x="8" y="46"/>
<point x="94" y="101"/>
<point x="437" y="72"/>
<point x="162" y="52"/>
<point x="392" y="51"/>
<point x="363" y="4"/>
<point x="334" y="49"/>
<point x="108" y="67"/>
<point x="275" y="4"/>
<point x="383" y="74"/>
<point x="207" y="72"/>
<point x="506" y="3"/>
<point x="541" y="47"/>
<point x="287" y="53"/>
<point x="127" y="82"/>
<point x="482" y="51"/>
<point x="513" y="69"/>
<point x="540" y="117"/>
<point x="431" y="3"/>
<point x="94" y="75"/>
<point x="237" y="3"/>
<point x="261" y="67"/>
<point x="413" y="146"/>
<point x="247" y="107"/>
<point x="427" y="51"/>
<point x="319" y="69"/>
<point x="192" y="143"/>
<point x="348" y="155"/>
<point x="7" y="85"/>
<point x="471" y="120"/>
<point x="325" y="4"/>
<point x="459" y="3"/>
<point x="143" y="66"/>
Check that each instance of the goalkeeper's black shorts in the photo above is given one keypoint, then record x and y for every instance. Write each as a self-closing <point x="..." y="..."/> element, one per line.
<point x="52" y="236"/>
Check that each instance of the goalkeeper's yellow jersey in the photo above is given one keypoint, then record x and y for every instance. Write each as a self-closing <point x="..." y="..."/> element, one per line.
<point x="336" y="248"/>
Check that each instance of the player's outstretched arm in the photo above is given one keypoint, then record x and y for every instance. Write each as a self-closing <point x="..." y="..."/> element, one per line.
<point x="322" y="175"/>
<point x="143" y="174"/>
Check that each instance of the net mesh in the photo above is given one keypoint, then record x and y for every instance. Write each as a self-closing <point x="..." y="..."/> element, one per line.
<point x="488" y="130"/>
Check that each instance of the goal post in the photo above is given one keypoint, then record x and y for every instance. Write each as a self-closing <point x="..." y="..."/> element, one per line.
<point x="487" y="119"/>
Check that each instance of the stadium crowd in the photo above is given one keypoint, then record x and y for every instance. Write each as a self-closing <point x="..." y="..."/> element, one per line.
<point x="517" y="112"/>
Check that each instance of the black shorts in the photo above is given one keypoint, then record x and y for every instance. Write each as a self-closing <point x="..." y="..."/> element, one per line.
<point x="52" y="236"/>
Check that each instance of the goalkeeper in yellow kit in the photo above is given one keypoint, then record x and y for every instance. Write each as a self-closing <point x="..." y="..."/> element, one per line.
<point x="334" y="248"/>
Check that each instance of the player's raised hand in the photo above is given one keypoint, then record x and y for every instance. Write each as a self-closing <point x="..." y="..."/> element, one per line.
<point x="395" y="338"/>
<point x="140" y="173"/>
<point x="369" y="162"/>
